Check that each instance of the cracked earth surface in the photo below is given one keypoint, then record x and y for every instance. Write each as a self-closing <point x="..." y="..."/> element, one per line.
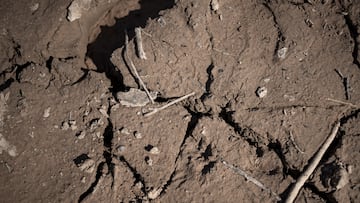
<point x="64" y="136"/>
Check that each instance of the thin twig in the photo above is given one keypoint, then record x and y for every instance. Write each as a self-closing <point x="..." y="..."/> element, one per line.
<point x="134" y="68"/>
<point x="294" y="143"/>
<point x="155" y="110"/>
<point x="342" y="102"/>
<point x="140" y="48"/>
<point x="311" y="167"/>
<point x="251" y="179"/>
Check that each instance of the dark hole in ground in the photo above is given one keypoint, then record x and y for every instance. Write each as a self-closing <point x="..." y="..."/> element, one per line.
<point x="80" y="159"/>
<point x="112" y="38"/>
<point x="148" y="147"/>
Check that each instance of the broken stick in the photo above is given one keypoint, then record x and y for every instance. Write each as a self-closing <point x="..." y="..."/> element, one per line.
<point x="155" y="110"/>
<point x="294" y="143"/>
<point x="131" y="64"/>
<point x="140" y="48"/>
<point x="294" y="191"/>
<point x="251" y="179"/>
<point x="342" y="102"/>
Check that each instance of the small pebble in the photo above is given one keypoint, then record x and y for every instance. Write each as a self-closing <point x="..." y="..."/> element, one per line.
<point x="139" y="185"/>
<point x="34" y="7"/>
<point x="282" y="53"/>
<point x="137" y="135"/>
<point x="73" y="127"/>
<point x="154" y="193"/>
<point x="121" y="148"/>
<point x="215" y="5"/>
<point x="125" y="131"/>
<point x="154" y="150"/>
<point x="65" y="126"/>
<point x="81" y="135"/>
<point x="149" y="161"/>
<point x="87" y="166"/>
<point x="83" y="179"/>
<point x="47" y="112"/>
<point x="261" y="92"/>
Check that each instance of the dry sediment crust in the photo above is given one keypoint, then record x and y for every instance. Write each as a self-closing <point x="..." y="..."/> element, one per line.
<point x="75" y="142"/>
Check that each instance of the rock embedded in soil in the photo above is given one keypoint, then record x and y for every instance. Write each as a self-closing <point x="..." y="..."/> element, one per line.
<point x="261" y="92"/>
<point x="135" y="97"/>
<point x="154" y="150"/>
<point x="6" y="146"/>
<point x="76" y="9"/>
<point x="125" y="131"/>
<point x="87" y="166"/>
<point x="47" y="112"/>
<point x="281" y="53"/>
<point x="121" y="148"/>
<point x="81" y="135"/>
<point x="149" y="161"/>
<point x="154" y="193"/>
<point x="138" y="135"/>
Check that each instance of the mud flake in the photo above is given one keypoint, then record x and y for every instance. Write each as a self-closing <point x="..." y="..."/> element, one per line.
<point x="88" y="166"/>
<point x="134" y="98"/>
<point x="6" y="146"/>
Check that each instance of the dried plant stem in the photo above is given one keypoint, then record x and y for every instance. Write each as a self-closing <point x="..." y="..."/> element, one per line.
<point x="140" y="48"/>
<point x="132" y="66"/>
<point x="294" y="143"/>
<point x="169" y="104"/>
<point x="251" y="179"/>
<point x="342" y="102"/>
<point x="311" y="167"/>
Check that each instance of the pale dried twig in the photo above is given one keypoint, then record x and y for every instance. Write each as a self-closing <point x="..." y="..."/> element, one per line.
<point x="342" y="102"/>
<point x="251" y="179"/>
<point x="140" y="48"/>
<point x="294" y="143"/>
<point x="168" y="104"/>
<point x="131" y="64"/>
<point x="311" y="167"/>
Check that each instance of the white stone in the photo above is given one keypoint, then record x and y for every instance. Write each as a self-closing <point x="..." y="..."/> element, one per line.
<point x="149" y="161"/>
<point x="135" y="97"/>
<point x="47" y="112"/>
<point x="138" y="135"/>
<point x="121" y="148"/>
<point x="261" y="92"/>
<point x="154" y="150"/>
<point x="6" y="146"/>
<point x="215" y="5"/>
<point x="77" y="8"/>
<point x="34" y="7"/>
<point x="87" y="166"/>
<point x="154" y="193"/>
<point x="281" y="53"/>
<point x="81" y="135"/>
<point x="125" y="131"/>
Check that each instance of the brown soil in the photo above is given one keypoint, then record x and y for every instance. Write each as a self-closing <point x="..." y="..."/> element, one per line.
<point x="64" y="137"/>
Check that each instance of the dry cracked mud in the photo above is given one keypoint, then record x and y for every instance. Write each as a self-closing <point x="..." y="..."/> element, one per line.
<point x="270" y="80"/>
